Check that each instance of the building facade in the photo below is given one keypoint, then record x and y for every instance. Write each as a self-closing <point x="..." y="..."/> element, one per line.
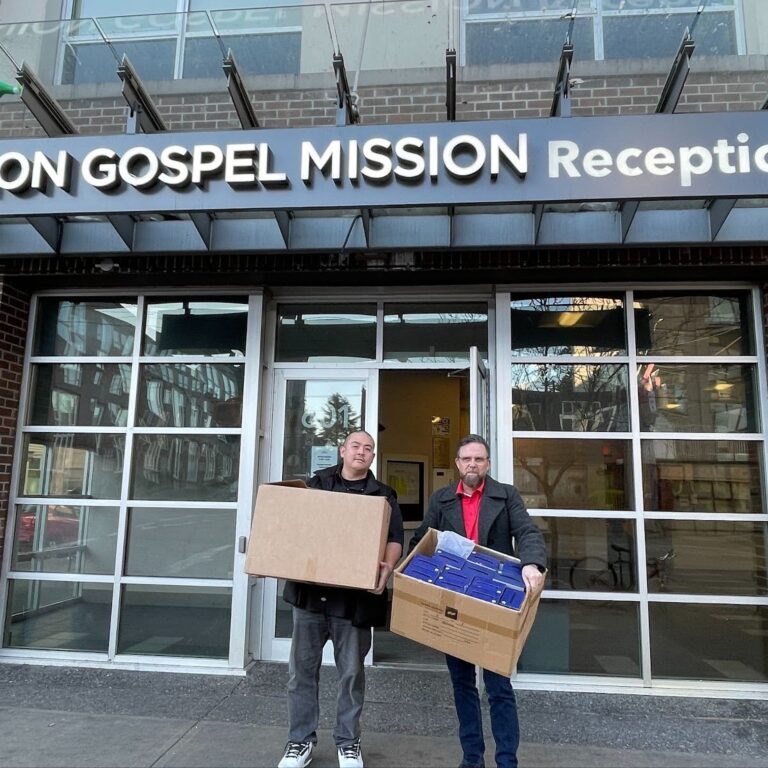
<point x="417" y="218"/>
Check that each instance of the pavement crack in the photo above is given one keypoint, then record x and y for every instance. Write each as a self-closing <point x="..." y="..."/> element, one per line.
<point x="197" y="722"/>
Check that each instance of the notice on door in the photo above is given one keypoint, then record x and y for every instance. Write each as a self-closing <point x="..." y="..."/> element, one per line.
<point x="323" y="456"/>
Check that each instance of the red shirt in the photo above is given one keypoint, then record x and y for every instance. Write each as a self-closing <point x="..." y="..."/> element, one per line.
<point x="470" y="506"/>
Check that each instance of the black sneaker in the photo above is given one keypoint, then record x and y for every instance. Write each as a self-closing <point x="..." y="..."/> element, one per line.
<point x="297" y="754"/>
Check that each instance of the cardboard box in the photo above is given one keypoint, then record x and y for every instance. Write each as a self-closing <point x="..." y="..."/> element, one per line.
<point x="479" y="632"/>
<point x="322" y="537"/>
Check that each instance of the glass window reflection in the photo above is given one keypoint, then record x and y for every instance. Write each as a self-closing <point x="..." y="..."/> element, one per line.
<point x="697" y="398"/>
<point x="569" y="398"/>
<point x="574" y="474"/>
<point x="709" y="642"/>
<point x="318" y="416"/>
<point x="434" y="333"/>
<point x="196" y="327"/>
<point x="323" y="333"/>
<point x="568" y="325"/>
<point x="707" y="557"/>
<point x="181" y="543"/>
<point x="82" y="395"/>
<point x="584" y="637"/>
<point x="702" y="476"/>
<point x="76" y="465"/>
<point x="190" y="395"/>
<point x="589" y="554"/>
<point x="57" y="538"/>
<point x="58" y="615"/>
<point x="693" y="324"/>
<point x="175" y="621"/>
<point x="186" y="467"/>
<point x="93" y="327"/>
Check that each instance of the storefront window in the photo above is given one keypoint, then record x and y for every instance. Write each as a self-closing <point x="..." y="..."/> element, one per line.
<point x="568" y="325"/>
<point x="574" y="474"/>
<point x="74" y="465"/>
<point x="709" y="641"/>
<point x="80" y="395"/>
<point x="186" y="467"/>
<point x="180" y="543"/>
<point x="174" y="621"/>
<point x="439" y="333"/>
<point x="58" y="615"/>
<point x="693" y="324"/>
<point x="196" y="328"/>
<point x="584" y="637"/>
<point x="314" y="333"/>
<point x="86" y="327"/>
<point x="59" y="538"/>
<point x="570" y="398"/>
<point x="697" y="397"/>
<point x="589" y="554"/>
<point x="687" y="557"/>
<point x="190" y="395"/>
<point x="721" y="476"/>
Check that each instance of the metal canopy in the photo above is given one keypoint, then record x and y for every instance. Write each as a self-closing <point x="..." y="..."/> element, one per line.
<point x="143" y="112"/>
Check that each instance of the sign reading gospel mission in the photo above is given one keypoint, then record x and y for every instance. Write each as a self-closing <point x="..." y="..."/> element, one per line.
<point x="490" y="162"/>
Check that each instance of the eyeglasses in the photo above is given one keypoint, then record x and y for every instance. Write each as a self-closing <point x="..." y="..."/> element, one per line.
<point x="470" y="459"/>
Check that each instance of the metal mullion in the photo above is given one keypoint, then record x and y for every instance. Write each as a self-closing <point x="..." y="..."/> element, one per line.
<point x="724" y="600"/>
<point x="380" y="332"/>
<point x="598" y="32"/>
<point x="202" y="431"/>
<point x="492" y="383"/>
<point x="72" y="430"/>
<point x="177" y="582"/>
<point x="762" y="383"/>
<point x="637" y="489"/>
<point x="555" y="435"/>
<point x="505" y="447"/>
<point x="747" y="437"/>
<point x="67" y="501"/>
<point x="122" y="519"/>
<point x="572" y="594"/>
<point x="74" y="359"/>
<point x="191" y="359"/>
<point x="602" y="514"/>
<point x="569" y="360"/>
<point x="215" y="506"/>
<point x="708" y="517"/>
<point x="364" y="364"/>
<point x="90" y="578"/>
<point x="16" y="463"/>
<point x="697" y="359"/>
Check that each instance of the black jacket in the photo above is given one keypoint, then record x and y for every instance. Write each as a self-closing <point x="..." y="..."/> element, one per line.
<point x="503" y="516"/>
<point x="362" y="608"/>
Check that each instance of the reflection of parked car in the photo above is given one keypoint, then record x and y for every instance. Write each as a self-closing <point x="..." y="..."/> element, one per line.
<point x="61" y="527"/>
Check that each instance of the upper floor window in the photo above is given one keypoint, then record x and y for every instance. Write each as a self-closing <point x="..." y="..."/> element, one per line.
<point x="527" y="31"/>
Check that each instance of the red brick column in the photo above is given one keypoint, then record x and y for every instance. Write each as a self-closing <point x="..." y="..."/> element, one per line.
<point x="14" y="317"/>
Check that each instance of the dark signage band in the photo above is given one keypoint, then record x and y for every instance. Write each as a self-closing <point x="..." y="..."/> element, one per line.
<point x="490" y="162"/>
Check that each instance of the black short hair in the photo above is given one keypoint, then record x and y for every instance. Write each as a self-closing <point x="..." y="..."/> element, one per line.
<point x="473" y="439"/>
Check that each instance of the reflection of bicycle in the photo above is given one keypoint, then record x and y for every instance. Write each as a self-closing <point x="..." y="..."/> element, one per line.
<point x="596" y="574"/>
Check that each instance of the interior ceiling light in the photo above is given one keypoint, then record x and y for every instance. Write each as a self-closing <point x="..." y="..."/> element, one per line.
<point x="723" y="386"/>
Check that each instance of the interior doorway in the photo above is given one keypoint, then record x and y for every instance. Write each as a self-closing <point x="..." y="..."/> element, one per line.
<point x="422" y="415"/>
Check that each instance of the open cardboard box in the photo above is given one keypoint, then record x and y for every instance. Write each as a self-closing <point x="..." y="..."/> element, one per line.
<point x="489" y="635"/>
<point x="322" y="537"/>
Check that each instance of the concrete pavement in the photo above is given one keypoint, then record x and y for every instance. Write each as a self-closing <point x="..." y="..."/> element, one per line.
<point x="55" y="716"/>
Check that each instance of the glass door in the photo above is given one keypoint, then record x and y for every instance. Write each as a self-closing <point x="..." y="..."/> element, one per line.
<point x="314" y="411"/>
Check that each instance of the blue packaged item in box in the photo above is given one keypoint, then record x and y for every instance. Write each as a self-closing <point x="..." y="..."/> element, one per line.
<point x="511" y="569"/>
<point x="487" y="561"/>
<point x="512" y="598"/>
<point x="422" y="570"/>
<point x="488" y="584"/>
<point x="488" y="595"/>
<point x="478" y="570"/>
<point x="453" y="580"/>
<point x="509" y="580"/>
<point x="448" y="559"/>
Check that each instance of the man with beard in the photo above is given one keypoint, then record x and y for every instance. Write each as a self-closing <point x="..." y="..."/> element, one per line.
<point x="492" y="514"/>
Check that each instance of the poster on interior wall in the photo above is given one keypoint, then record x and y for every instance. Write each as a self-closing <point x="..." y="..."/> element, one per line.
<point x="323" y="456"/>
<point x="407" y="477"/>
<point x="441" y="426"/>
<point x="441" y="452"/>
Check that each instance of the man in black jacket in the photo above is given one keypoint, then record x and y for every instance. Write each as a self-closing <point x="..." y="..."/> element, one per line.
<point x="345" y="616"/>
<point x="492" y="514"/>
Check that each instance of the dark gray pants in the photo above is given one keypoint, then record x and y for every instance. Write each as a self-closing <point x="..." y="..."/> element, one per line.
<point x="311" y="631"/>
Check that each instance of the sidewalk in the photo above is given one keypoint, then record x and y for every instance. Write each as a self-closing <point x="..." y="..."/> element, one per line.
<point x="53" y="716"/>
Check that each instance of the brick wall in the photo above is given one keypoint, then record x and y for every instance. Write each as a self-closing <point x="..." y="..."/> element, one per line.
<point x="14" y="313"/>
<point x="481" y="100"/>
